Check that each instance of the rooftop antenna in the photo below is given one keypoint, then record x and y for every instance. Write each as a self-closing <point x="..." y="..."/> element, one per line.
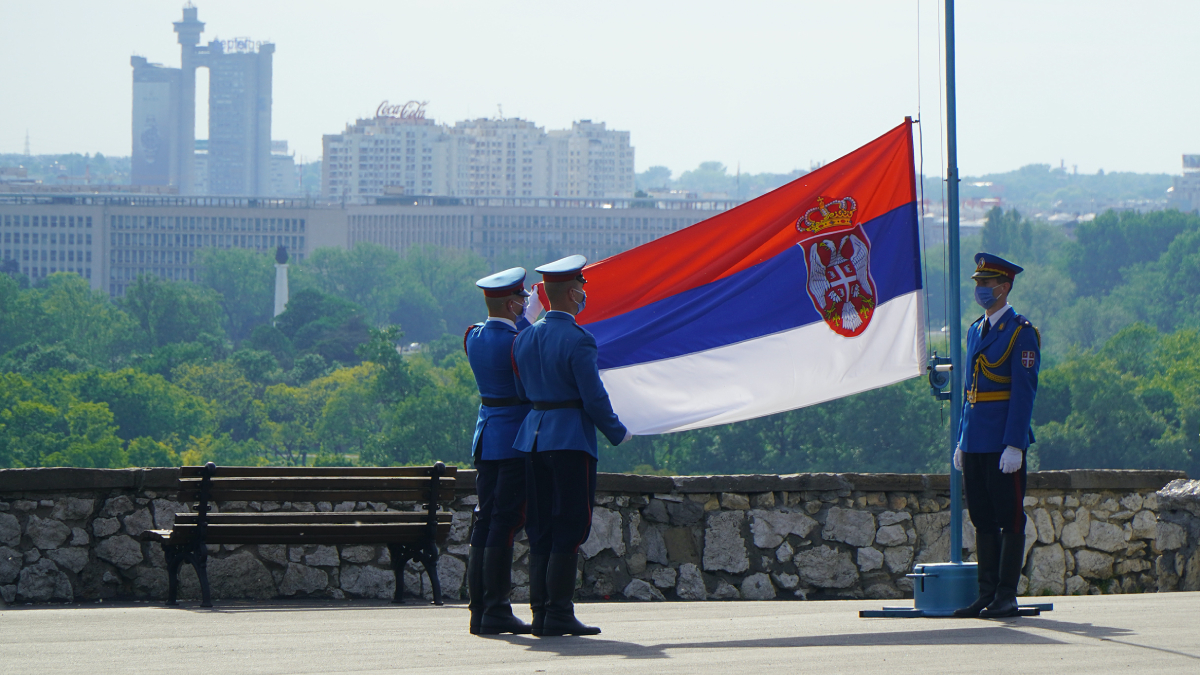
<point x="26" y="142"/>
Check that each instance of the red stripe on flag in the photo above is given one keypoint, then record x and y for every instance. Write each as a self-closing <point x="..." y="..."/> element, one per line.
<point x="879" y="176"/>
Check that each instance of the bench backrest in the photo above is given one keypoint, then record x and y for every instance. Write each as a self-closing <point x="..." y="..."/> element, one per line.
<point x="427" y="484"/>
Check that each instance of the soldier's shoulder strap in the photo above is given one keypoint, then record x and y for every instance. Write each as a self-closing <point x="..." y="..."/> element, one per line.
<point x="467" y="334"/>
<point x="1026" y="322"/>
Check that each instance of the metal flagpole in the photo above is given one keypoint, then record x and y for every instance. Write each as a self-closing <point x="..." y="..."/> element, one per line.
<point x="955" y="304"/>
<point x="941" y="588"/>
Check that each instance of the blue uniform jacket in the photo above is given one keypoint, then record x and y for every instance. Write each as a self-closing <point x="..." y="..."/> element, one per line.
<point x="489" y="351"/>
<point x="990" y="425"/>
<point x="555" y="360"/>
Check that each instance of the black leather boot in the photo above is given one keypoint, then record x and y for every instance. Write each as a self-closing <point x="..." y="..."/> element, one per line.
<point x="1012" y="554"/>
<point x="987" y="555"/>
<point x="537" y="590"/>
<point x="560" y="595"/>
<point x="497" y="585"/>
<point x="475" y="586"/>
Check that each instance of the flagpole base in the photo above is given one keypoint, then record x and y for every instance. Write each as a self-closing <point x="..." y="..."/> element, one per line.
<point x="941" y="588"/>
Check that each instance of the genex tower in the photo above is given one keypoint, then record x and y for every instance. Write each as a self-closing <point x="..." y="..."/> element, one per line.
<point x="238" y="158"/>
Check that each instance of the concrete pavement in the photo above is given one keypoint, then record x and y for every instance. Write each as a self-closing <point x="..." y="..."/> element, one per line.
<point x="1158" y="633"/>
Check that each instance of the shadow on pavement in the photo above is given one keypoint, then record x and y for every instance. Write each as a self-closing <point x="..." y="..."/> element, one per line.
<point x="576" y="646"/>
<point x="1102" y="633"/>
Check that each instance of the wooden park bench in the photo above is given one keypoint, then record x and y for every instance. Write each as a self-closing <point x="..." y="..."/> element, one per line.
<point x="408" y="534"/>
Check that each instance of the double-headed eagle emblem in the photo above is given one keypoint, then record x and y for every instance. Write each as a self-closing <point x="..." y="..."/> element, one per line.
<point x="838" y="255"/>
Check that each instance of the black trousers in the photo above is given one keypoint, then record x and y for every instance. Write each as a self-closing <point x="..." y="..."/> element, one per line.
<point x="500" y="485"/>
<point x="562" y="488"/>
<point x="994" y="498"/>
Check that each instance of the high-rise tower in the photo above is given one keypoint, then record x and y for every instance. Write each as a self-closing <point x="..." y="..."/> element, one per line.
<point x="238" y="161"/>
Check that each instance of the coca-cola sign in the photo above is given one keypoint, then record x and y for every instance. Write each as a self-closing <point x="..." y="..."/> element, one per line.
<point x="413" y="110"/>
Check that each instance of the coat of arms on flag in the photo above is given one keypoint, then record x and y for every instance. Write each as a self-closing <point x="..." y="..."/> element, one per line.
<point x="838" y="255"/>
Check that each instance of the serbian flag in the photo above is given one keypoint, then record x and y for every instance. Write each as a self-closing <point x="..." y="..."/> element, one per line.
<point x="807" y="294"/>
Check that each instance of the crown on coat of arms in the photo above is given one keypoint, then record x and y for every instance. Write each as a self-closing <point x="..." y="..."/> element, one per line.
<point x="837" y="213"/>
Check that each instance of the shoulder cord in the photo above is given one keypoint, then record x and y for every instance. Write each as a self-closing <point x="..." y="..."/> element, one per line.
<point x="982" y="364"/>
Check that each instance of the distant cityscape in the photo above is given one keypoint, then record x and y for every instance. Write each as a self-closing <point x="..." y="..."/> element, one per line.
<point x="503" y="188"/>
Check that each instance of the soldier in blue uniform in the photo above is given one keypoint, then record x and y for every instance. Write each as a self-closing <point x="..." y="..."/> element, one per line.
<point x="500" y="469"/>
<point x="1003" y="357"/>
<point x="555" y="360"/>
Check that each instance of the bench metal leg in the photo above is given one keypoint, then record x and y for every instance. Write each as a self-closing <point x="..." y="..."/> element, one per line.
<point x="429" y="558"/>
<point x="200" y="562"/>
<point x="174" y="560"/>
<point x="400" y="555"/>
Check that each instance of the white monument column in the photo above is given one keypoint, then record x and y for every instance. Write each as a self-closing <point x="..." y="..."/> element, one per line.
<point x="281" y="280"/>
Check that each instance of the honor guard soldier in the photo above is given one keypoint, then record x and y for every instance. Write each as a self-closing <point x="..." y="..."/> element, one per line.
<point x="555" y="360"/>
<point x="1003" y="357"/>
<point x="500" y="477"/>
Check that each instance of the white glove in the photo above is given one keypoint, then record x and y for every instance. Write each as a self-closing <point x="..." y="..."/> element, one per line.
<point x="958" y="458"/>
<point x="628" y="436"/>
<point x="1011" y="460"/>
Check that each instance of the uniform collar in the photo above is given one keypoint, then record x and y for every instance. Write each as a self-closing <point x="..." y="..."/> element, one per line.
<point x="995" y="318"/>
<point x="500" y="319"/>
<point x="560" y="315"/>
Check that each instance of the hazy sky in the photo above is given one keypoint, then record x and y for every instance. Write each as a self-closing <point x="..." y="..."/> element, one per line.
<point x="772" y="85"/>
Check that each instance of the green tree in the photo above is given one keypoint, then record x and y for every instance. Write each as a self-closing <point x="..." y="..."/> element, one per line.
<point x="145" y="405"/>
<point x="245" y="282"/>
<point x="66" y="311"/>
<point x="172" y="312"/>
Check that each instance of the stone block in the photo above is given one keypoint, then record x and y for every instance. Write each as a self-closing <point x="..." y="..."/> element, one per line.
<point x="1030" y="538"/>
<point x="656" y="511"/>
<point x="274" y="553"/>
<point x="784" y="552"/>
<point x="758" y="587"/>
<point x="451" y="573"/>
<point x="869" y="559"/>
<point x="826" y="567"/>
<point x="117" y="506"/>
<point x="642" y="591"/>
<point x="46" y="533"/>
<point x="664" y="577"/>
<point x="1048" y="570"/>
<point x="634" y="528"/>
<point x="856" y="528"/>
<point x="606" y="534"/>
<point x="322" y="556"/>
<point x="358" y="554"/>
<point x="240" y="576"/>
<point x="685" y="513"/>
<point x="1167" y="536"/>
<point x="460" y="526"/>
<point x="656" y="546"/>
<point x="1144" y="525"/>
<point x="1045" y="526"/>
<point x="164" y="511"/>
<point x="8" y="594"/>
<point x="79" y="537"/>
<point x="771" y="527"/>
<point x="894" y="517"/>
<point x="891" y="535"/>
<point x="725" y="591"/>
<point x="11" y="562"/>
<point x="10" y="530"/>
<point x="102" y="527"/>
<point x="71" y="508"/>
<point x="121" y="550"/>
<point x="933" y="536"/>
<point x="365" y="581"/>
<point x="734" y="501"/>
<point x="74" y="558"/>
<point x="138" y="522"/>
<point x="24" y="505"/>
<point x="763" y="500"/>
<point x="1132" y="566"/>
<point x="1105" y="536"/>
<point x="636" y="563"/>
<point x="898" y="558"/>
<point x="786" y="581"/>
<point x="690" y="585"/>
<point x="299" y="579"/>
<point x="43" y="581"/>
<point x="151" y="583"/>
<point x="724" y="547"/>
<point x="1093" y="564"/>
<point x="1076" y="585"/>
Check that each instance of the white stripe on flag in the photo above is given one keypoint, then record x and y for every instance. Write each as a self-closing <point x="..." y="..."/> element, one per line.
<point x="784" y="371"/>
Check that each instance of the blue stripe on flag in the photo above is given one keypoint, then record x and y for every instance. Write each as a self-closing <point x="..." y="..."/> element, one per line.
<point x="765" y="299"/>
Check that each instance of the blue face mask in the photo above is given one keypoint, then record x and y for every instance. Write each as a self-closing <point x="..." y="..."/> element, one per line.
<point x="582" y="303"/>
<point x="984" y="296"/>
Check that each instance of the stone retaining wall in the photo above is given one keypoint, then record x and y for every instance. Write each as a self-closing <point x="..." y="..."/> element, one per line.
<point x="71" y="535"/>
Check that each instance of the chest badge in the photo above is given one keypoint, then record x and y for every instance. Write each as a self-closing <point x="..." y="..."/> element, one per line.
<point x="1028" y="358"/>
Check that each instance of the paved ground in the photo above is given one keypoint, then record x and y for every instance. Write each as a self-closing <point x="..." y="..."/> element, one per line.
<point x="1116" y="633"/>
